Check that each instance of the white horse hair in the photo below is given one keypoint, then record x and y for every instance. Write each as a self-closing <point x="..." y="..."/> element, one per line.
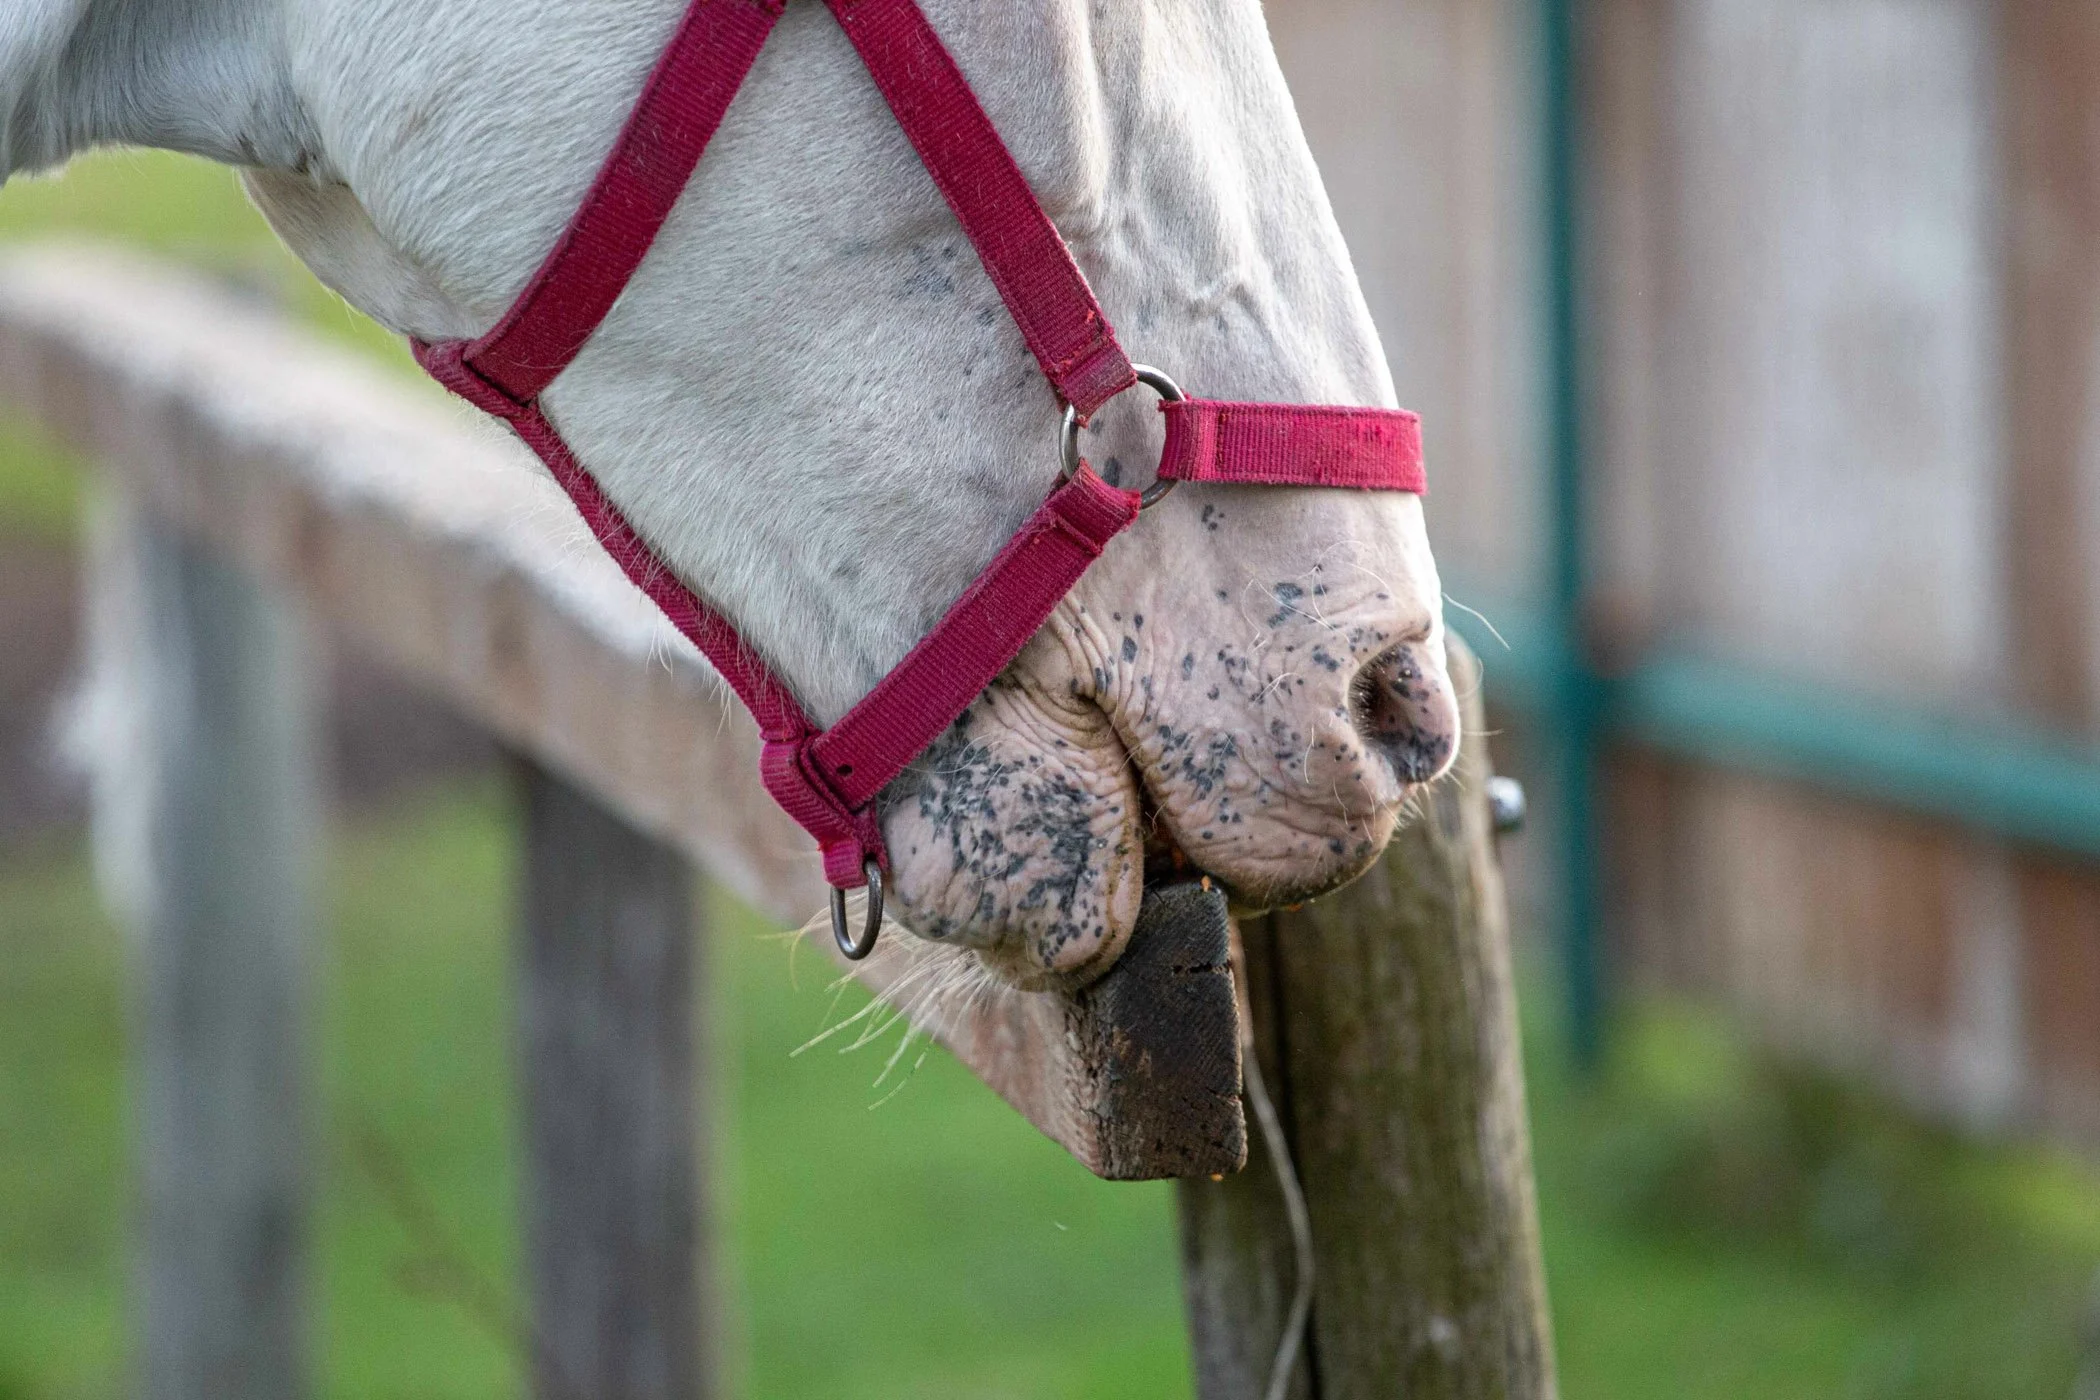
<point x="813" y="403"/>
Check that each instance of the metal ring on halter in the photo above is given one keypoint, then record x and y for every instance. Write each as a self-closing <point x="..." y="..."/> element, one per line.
<point x="1153" y="379"/>
<point x="870" y="931"/>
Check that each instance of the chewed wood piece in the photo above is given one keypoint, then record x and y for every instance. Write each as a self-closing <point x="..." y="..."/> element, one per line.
<point x="1144" y="1082"/>
<point x="1162" y="1034"/>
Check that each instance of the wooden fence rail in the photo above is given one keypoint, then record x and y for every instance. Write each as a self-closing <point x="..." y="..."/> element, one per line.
<point x="254" y="468"/>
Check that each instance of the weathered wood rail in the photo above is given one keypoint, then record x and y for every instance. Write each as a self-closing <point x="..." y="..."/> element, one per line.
<point x="423" y="536"/>
<point x="260" y="479"/>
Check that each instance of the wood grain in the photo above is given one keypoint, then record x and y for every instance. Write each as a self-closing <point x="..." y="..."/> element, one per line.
<point x="2049" y="138"/>
<point x="614" y="1205"/>
<point x="219" y="776"/>
<point x="1385" y="1016"/>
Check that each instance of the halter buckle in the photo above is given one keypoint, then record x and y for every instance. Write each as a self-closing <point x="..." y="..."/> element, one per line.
<point x="1068" y="443"/>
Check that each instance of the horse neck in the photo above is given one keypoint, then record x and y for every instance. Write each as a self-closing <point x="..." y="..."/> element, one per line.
<point x="207" y="77"/>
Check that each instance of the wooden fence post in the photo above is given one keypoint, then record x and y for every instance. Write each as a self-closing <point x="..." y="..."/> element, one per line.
<point x="212" y="764"/>
<point x="1385" y="1018"/>
<point x="615" y="1221"/>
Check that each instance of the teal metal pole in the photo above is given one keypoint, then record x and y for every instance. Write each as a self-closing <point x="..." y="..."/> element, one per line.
<point x="1573" y="693"/>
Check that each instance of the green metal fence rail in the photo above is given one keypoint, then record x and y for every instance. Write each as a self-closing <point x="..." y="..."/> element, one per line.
<point x="1570" y="689"/>
<point x="1990" y="775"/>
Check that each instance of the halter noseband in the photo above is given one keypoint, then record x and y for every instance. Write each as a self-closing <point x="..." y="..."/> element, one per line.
<point x="828" y="779"/>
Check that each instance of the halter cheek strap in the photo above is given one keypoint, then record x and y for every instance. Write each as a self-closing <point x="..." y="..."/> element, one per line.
<point x="827" y="780"/>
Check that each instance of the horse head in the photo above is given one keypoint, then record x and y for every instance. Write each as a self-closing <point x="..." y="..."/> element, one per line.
<point x="811" y="402"/>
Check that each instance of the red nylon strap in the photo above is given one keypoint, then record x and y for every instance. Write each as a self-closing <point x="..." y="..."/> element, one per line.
<point x="827" y="781"/>
<point x="847" y="839"/>
<point x="779" y="716"/>
<point x="1028" y="260"/>
<point x="984" y="631"/>
<point x="1276" y="444"/>
<point x="681" y="105"/>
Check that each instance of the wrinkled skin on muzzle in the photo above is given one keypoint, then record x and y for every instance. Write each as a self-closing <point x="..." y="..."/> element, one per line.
<point x="1250" y="683"/>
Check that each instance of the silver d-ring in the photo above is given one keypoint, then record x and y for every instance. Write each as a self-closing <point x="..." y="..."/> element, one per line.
<point x="1068" y="444"/>
<point x="870" y="931"/>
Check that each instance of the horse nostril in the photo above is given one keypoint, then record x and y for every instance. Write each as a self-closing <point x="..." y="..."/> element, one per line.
<point x="1405" y="711"/>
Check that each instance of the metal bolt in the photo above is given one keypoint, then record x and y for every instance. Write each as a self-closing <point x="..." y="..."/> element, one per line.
<point x="1506" y="804"/>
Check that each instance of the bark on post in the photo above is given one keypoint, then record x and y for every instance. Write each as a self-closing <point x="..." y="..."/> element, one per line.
<point x="1385" y="1017"/>
<point x="205" y="818"/>
<point x="615" y="1221"/>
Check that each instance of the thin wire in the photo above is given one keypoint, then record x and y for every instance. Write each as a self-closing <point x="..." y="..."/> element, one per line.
<point x="1293" y="1343"/>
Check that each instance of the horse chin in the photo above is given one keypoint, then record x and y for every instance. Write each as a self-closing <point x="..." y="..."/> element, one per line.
<point x="1017" y="836"/>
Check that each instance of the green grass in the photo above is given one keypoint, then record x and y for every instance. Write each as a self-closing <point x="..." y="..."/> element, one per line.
<point x="1720" y="1223"/>
<point x="173" y="205"/>
<point x="1718" y="1226"/>
<point x="40" y="485"/>
<point x="926" y="1243"/>
<point x="62" y="1135"/>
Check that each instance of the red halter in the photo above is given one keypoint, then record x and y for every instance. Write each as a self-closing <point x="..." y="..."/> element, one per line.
<point x="827" y="780"/>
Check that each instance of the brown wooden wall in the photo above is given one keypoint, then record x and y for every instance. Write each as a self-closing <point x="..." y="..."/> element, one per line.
<point x="1843" y="263"/>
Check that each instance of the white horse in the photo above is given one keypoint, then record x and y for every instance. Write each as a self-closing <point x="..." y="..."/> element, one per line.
<point x="813" y="404"/>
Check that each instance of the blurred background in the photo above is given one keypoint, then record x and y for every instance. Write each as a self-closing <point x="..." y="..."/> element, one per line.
<point x="1758" y="343"/>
